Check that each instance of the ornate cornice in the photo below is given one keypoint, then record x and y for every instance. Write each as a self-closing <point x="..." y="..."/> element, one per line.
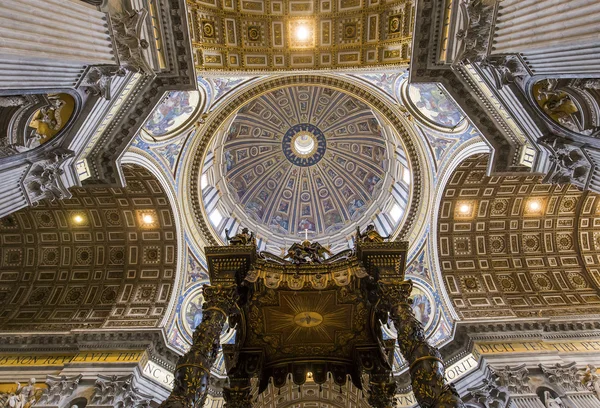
<point x="178" y="75"/>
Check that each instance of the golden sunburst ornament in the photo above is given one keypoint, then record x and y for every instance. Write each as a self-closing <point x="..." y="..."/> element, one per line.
<point x="308" y="318"/>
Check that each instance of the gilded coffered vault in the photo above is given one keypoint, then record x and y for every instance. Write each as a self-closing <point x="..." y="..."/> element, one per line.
<point x="510" y="246"/>
<point x="285" y="35"/>
<point x="105" y="258"/>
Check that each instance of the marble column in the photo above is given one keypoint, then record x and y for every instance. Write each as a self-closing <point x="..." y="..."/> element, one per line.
<point x="553" y="36"/>
<point x="47" y="44"/>
<point x="426" y="365"/>
<point x="193" y="368"/>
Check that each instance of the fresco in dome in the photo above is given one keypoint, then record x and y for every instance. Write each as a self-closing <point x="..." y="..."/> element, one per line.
<point x="173" y="112"/>
<point x="433" y="102"/>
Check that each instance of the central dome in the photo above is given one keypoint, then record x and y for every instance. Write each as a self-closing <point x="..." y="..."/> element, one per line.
<point x="304" y="160"/>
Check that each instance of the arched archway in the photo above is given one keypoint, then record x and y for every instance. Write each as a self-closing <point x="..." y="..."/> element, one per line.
<point x="510" y="246"/>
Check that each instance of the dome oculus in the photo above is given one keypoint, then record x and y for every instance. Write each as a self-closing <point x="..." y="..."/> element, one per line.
<point x="304" y="145"/>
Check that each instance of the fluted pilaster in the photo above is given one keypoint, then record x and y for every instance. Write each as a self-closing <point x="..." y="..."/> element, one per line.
<point x="553" y="36"/>
<point x="47" y="44"/>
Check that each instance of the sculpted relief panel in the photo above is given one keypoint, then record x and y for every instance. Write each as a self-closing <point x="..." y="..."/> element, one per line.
<point x="103" y="258"/>
<point x="259" y="35"/>
<point x="510" y="246"/>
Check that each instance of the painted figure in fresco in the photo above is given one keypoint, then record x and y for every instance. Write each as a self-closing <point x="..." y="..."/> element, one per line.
<point x="241" y="238"/>
<point x="306" y="224"/>
<point x="421" y="308"/>
<point x="194" y="313"/>
<point x="355" y="205"/>
<point x="280" y="223"/>
<point x="370" y="235"/>
<point x="164" y="116"/>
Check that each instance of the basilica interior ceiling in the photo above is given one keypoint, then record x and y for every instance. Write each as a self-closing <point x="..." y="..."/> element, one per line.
<point x="284" y="35"/>
<point x="510" y="246"/>
<point x="104" y="258"/>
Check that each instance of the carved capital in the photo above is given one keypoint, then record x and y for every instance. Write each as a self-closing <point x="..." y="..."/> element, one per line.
<point x="565" y="376"/>
<point x="59" y="388"/>
<point x="515" y="379"/>
<point x="112" y="391"/>
<point x="490" y="393"/>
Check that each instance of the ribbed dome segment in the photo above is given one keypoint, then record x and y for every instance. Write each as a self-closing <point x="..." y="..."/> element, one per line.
<point x="305" y="158"/>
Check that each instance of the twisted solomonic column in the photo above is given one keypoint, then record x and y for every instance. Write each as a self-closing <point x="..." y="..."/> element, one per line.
<point x="426" y="364"/>
<point x="193" y="368"/>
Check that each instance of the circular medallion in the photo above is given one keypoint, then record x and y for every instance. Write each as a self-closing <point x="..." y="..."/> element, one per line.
<point x="304" y="144"/>
<point x="308" y="319"/>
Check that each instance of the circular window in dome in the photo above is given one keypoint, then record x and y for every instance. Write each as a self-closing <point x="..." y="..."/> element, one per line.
<point x="306" y="161"/>
<point x="304" y="144"/>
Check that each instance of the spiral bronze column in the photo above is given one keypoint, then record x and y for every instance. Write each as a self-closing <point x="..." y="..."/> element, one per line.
<point x="193" y="368"/>
<point x="426" y="364"/>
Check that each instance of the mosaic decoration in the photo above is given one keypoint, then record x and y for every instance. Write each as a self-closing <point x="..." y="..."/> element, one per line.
<point x="288" y="193"/>
<point x="385" y="81"/>
<point x="222" y="86"/>
<point x="172" y="113"/>
<point x="435" y="105"/>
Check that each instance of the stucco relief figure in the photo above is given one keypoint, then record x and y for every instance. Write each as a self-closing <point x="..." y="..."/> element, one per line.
<point x="591" y="380"/>
<point x="130" y="46"/>
<point x="25" y="396"/>
<point x="245" y="237"/>
<point x="370" y="235"/>
<point x="12" y="101"/>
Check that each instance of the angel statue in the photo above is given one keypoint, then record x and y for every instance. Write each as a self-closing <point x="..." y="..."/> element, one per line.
<point x="299" y="253"/>
<point x="306" y="252"/>
<point x="130" y="46"/>
<point x="318" y="252"/>
<point x="245" y="237"/>
<point x="370" y="235"/>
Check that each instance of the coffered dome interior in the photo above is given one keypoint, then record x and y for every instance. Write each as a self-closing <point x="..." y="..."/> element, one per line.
<point x="306" y="161"/>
